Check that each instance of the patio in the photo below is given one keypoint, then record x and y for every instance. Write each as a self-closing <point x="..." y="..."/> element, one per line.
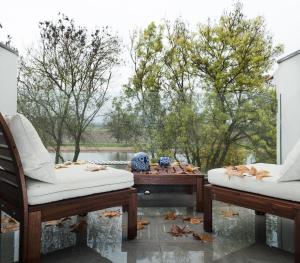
<point x="235" y="238"/>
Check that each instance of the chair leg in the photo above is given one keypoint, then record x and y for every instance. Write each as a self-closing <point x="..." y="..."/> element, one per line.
<point x="199" y="194"/>
<point x="297" y="237"/>
<point x="207" y="210"/>
<point x="132" y="216"/>
<point x="33" y="237"/>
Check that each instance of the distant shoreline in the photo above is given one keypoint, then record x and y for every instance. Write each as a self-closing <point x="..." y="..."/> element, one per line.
<point x="95" y="149"/>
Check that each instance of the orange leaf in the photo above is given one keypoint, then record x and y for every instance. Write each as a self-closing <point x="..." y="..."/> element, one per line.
<point x="229" y="213"/>
<point x="111" y="214"/>
<point x="253" y="171"/>
<point x="203" y="237"/>
<point x="178" y="231"/>
<point x="196" y="220"/>
<point x="261" y="174"/>
<point x="170" y="216"/>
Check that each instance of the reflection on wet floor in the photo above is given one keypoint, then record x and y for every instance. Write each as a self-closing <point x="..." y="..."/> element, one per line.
<point x="241" y="238"/>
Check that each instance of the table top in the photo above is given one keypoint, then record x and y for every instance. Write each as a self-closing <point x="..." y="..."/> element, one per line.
<point x="179" y="170"/>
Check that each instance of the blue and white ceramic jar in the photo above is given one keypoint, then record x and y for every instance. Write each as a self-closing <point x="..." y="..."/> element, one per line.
<point x="140" y="162"/>
<point x="164" y="161"/>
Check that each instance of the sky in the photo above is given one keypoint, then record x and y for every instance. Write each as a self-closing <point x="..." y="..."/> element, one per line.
<point x="20" y="18"/>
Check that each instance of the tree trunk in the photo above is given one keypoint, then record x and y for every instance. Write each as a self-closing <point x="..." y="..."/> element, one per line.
<point x="57" y="153"/>
<point x="77" y="149"/>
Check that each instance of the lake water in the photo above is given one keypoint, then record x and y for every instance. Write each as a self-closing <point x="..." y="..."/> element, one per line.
<point x="99" y="156"/>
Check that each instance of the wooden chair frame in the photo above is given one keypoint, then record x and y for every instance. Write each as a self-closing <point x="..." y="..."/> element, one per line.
<point x="14" y="202"/>
<point x="259" y="203"/>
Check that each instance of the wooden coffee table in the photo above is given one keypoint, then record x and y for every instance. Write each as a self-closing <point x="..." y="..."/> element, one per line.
<point x="173" y="176"/>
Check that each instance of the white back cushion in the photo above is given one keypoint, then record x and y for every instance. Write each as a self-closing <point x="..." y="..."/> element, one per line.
<point x="35" y="158"/>
<point x="290" y="170"/>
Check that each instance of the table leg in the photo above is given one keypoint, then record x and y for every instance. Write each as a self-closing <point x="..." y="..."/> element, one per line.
<point x="199" y="193"/>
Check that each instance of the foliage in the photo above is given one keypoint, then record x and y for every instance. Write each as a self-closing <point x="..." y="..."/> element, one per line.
<point x="63" y="82"/>
<point x="203" y="94"/>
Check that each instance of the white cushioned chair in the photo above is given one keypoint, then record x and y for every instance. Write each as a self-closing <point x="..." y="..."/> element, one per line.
<point x="269" y="195"/>
<point x="75" y="191"/>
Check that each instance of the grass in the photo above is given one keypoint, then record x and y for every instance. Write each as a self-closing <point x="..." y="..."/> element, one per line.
<point x="101" y="144"/>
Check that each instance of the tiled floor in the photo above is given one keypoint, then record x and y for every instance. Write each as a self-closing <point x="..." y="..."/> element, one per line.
<point x="238" y="239"/>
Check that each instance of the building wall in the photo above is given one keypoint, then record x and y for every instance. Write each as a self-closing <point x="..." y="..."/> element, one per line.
<point x="8" y="80"/>
<point x="287" y="81"/>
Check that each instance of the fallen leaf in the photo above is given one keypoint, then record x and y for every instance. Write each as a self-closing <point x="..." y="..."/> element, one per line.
<point x="58" y="222"/>
<point x="79" y="227"/>
<point x="111" y="214"/>
<point x="143" y="222"/>
<point x="79" y="162"/>
<point x="170" y="216"/>
<point x="242" y="168"/>
<point x="140" y="226"/>
<point x="60" y="166"/>
<point x="95" y="167"/>
<point x="229" y="213"/>
<point x="189" y="168"/>
<point x="261" y="174"/>
<point x="178" y="231"/>
<point x="203" y="237"/>
<point x="196" y="220"/>
<point x="8" y="224"/>
<point x="253" y="171"/>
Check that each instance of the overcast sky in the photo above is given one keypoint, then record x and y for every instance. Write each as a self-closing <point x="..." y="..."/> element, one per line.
<point x="20" y="17"/>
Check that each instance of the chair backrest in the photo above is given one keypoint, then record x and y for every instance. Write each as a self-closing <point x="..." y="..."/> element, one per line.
<point x="13" y="192"/>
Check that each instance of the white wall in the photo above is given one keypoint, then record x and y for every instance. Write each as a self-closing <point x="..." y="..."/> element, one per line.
<point x="8" y="81"/>
<point x="287" y="81"/>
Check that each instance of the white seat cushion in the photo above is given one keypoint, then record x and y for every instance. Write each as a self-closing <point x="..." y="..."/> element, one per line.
<point x="75" y="181"/>
<point x="35" y="158"/>
<point x="268" y="186"/>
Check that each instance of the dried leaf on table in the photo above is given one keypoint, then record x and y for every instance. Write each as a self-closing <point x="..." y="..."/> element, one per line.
<point x="189" y="168"/>
<point x="170" y="216"/>
<point x="229" y="213"/>
<point x="261" y="174"/>
<point x="111" y="214"/>
<point x="203" y="237"/>
<point x="178" y="231"/>
<point x="79" y="227"/>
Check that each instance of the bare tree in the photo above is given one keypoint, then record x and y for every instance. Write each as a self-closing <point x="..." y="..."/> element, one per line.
<point x="66" y="78"/>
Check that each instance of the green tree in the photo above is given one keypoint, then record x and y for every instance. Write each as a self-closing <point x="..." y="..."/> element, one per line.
<point x="203" y="94"/>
